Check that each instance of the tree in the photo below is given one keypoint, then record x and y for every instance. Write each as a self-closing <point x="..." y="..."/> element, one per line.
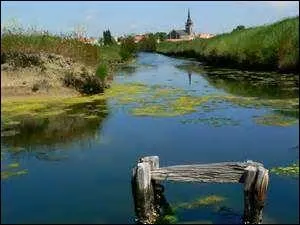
<point x="239" y="27"/>
<point x="101" y="41"/>
<point x="161" y="35"/>
<point x="149" y="43"/>
<point x="128" y="48"/>
<point x="107" y="38"/>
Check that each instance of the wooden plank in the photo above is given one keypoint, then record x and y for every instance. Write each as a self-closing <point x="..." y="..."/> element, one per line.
<point x="227" y="172"/>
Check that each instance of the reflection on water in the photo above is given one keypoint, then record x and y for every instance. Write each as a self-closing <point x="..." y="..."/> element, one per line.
<point x="126" y="70"/>
<point x="79" y="122"/>
<point x="248" y="84"/>
<point x="190" y="76"/>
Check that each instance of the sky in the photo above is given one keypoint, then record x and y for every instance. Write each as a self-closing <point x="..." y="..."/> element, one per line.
<point x="124" y="17"/>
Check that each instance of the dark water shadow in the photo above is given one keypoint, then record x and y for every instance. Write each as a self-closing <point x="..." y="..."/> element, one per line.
<point x="44" y="137"/>
<point x="126" y="70"/>
<point x="269" y="85"/>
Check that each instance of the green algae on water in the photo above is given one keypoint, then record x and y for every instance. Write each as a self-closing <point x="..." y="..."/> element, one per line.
<point x="167" y="219"/>
<point x="7" y="174"/>
<point x="14" y="165"/>
<point x="202" y="202"/>
<point x="291" y="170"/>
<point x="212" y="121"/>
<point x="275" y="120"/>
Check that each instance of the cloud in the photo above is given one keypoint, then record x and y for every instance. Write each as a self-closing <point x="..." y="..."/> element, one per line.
<point x="133" y="26"/>
<point x="90" y="14"/>
<point x="88" y="17"/>
<point x="282" y="4"/>
<point x="275" y="4"/>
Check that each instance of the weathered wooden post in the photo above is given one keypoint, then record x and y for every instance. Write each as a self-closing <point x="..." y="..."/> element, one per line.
<point x="255" y="187"/>
<point x="143" y="190"/>
<point x="148" y="193"/>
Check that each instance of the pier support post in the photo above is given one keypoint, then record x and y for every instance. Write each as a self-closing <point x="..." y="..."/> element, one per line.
<point x="150" y="203"/>
<point x="143" y="190"/>
<point x="255" y="187"/>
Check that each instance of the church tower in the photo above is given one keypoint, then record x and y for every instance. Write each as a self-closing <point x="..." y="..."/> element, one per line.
<point x="189" y="24"/>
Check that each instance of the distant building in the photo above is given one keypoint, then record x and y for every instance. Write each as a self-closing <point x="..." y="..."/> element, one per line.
<point x="204" y="35"/>
<point x="186" y="34"/>
<point x="139" y="37"/>
<point x="86" y="40"/>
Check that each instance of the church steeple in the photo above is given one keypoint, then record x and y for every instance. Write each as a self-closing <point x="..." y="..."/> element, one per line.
<point x="189" y="24"/>
<point x="189" y="16"/>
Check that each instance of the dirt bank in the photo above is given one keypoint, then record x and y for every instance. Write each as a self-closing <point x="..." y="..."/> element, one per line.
<point x="26" y="75"/>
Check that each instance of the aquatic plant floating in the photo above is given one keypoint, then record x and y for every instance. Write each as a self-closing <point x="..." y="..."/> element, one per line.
<point x="276" y="120"/>
<point x="8" y="174"/>
<point x="209" y="200"/>
<point x="291" y="170"/>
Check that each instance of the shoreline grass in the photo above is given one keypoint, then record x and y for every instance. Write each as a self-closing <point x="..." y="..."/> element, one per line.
<point x="67" y="45"/>
<point x="267" y="47"/>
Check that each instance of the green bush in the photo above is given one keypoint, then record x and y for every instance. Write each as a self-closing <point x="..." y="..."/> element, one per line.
<point x="128" y="48"/>
<point x="102" y="71"/>
<point x="148" y="44"/>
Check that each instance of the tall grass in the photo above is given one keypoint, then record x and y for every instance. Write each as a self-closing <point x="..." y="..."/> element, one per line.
<point x="64" y="44"/>
<point x="274" y="46"/>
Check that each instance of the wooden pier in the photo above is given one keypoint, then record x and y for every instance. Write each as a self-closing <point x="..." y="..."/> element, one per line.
<point x="147" y="192"/>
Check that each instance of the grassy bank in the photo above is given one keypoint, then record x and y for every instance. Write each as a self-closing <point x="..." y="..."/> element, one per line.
<point x="268" y="47"/>
<point x="60" y="62"/>
<point x="63" y="45"/>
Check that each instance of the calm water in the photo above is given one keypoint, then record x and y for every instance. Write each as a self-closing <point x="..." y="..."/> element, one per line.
<point x="79" y="172"/>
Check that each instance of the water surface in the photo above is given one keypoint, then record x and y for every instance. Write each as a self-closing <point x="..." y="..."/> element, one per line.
<point x="79" y="170"/>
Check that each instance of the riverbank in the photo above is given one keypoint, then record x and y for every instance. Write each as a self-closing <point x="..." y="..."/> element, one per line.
<point x="272" y="47"/>
<point x="37" y="65"/>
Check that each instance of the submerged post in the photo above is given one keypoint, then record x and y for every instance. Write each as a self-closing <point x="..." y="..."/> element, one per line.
<point x="255" y="188"/>
<point x="143" y="190"/>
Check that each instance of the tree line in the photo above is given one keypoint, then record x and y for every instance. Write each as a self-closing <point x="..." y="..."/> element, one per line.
<point x="128" y="46"/>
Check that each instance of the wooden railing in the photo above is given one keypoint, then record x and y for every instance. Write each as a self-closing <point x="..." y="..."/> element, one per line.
<point x="147" y="174"/>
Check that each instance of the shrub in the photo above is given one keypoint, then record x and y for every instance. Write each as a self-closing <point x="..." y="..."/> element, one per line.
<point x="148" y="44"/>
<point x="239" y="27"/>
<point x="102" y="71"/>
<point x="128" y="48"/>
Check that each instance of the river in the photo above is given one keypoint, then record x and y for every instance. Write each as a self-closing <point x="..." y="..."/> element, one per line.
<point x="86" y="178"/>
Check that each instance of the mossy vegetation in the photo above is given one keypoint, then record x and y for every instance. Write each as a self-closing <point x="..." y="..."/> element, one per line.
<point x="167" y="219"/>
<point x="28" y="124"/>
<point x="212" y="121"/>
<point x="11" y="170"/>
<point x="276" y="120"/>
<point x="210" y="200"/>
<point x="159" y="101"/>
<point x="32" y="121"/>
<point x="8" y="174"/>
<point x="291" y="170"/>
<point x="13" y="165"/>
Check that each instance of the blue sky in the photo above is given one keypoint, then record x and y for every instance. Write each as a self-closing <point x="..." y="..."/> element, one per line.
<point x="145" y="16"/>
